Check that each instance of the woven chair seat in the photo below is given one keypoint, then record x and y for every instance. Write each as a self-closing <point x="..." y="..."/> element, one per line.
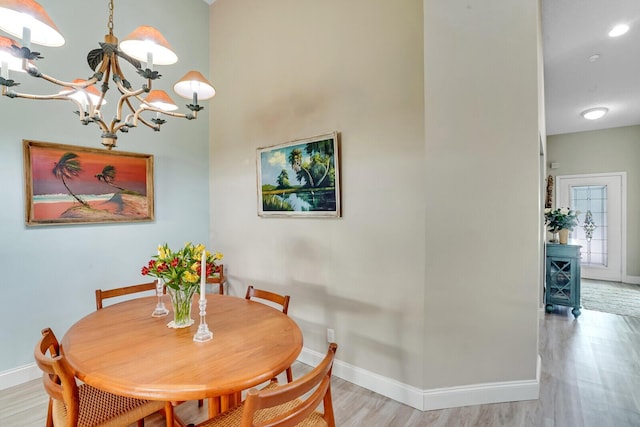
<point x="231" y="418"/>
<point x="284" y="405"/>
<point x="101" y="409"/>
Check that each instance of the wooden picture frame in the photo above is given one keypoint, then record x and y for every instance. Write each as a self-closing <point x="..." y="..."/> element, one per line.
<point x="300" y="178"/>
<point x="66" y="184"/>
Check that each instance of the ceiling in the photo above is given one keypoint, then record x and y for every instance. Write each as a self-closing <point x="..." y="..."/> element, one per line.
<point x="573" y="31"/>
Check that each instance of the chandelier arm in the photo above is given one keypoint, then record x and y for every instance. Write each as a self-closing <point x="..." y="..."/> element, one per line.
<point x="62" y="83"/>
<point x="128" y="122"/>
<point x="86" y="116"/>
<point x="124" y="98"/>
<point x="146" y="123"/>
<point x="52" y="97"/>
<point x="117" y="71"/>
<point x="132" y="119"/>
<point x="115" y="66"/>
<point x="105" y="71"/>
<point x="97" y="119"/>
<point x="100" y="101"/>
<point x="169" y="113"/>
<point x="56" y="96"/>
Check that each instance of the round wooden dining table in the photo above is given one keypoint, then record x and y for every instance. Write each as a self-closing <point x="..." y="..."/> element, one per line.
<point x="123" y="350"/>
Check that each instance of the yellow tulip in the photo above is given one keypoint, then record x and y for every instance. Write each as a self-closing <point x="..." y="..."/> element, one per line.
<point x="190" y="277"/>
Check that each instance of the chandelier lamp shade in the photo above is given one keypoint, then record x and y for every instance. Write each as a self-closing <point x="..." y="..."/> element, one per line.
<point x="161" y="99"/>
<point x="143" y="49"/>
<point x="6" y="57"/>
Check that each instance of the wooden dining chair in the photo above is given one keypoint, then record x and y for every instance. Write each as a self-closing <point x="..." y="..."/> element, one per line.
<point x="259" y="294"/>
<point x="218" y="278"/>
<point x="127" y="290"/>
<point x="287" y="405"/>
<point x="282" y="300"/>
<point x="82" y="405"/>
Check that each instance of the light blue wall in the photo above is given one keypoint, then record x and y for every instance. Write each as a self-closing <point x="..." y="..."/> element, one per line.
<point x="50" y="273"/>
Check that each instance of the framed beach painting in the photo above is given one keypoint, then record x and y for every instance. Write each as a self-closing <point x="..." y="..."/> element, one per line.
<point x="300" y="178"/>
<point x="66" y="184"/>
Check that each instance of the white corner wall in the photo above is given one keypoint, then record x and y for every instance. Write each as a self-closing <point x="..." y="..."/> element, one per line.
<point x="483" y="209"/>
<point x="431" y="277"/>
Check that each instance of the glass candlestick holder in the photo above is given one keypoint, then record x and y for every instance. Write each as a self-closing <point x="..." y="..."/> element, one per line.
<point x="160" y="309"/>
<point x="203" y="334"/>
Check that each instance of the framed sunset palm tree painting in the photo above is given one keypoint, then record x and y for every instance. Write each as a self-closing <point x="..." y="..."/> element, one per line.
<point x="66" y="184"/>
<point x="300" y="178"/>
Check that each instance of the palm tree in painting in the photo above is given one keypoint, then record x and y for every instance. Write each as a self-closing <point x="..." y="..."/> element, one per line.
<point x="317" y="170"/>
<point x="108" y="175"/>
<point x="68" y="167"/>
<point x="295" y="160"/>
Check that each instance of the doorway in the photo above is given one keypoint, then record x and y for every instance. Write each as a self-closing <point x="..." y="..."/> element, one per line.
<point x="601" y="230"/>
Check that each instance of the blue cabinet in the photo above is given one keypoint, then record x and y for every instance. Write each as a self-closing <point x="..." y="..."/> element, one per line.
<point x="563" y="277"/>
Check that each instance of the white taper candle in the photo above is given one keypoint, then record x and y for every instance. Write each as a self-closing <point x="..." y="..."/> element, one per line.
<point x="4" y="69"/>
<point x="203" y="274"/>
<point x="150" y="60"/>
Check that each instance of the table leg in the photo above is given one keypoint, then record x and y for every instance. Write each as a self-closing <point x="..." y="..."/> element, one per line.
<point x="235" y="399"/>
<point x="224" y="403"/>
<point x="171" y="418"/>
<point x="168" y="414"/>
<point x="213" y="406"/>
<point x="219" y="404"/>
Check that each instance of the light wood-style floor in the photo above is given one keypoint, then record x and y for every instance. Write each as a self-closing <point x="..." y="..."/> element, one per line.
<point x="590" y="377"/>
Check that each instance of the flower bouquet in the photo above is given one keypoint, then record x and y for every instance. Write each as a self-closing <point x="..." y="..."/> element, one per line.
<point x="181" y="273"/>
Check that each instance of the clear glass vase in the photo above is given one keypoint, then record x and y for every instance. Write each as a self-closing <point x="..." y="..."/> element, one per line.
<point x="181" y="302"/>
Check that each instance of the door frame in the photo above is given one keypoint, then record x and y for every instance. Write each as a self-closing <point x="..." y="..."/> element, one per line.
<point x="622" y="176"/>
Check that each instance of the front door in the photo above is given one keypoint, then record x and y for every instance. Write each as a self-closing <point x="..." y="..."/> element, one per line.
<point x="600" y="230"/>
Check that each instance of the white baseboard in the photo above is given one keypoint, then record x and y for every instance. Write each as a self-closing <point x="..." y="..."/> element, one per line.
<point x="19" y="375"/>
<point x="634" y="280"/>
<point x="426" y="400"/>
<point x="423" y="400"/>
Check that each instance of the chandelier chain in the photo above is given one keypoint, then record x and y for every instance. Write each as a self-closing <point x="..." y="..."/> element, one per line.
<point x="110" y="24"/>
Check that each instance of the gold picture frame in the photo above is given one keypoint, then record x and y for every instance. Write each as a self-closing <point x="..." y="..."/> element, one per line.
<point x="67" y="184"/>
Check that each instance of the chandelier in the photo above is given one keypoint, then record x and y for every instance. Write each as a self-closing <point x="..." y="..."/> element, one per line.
<point x="144" y="48"/>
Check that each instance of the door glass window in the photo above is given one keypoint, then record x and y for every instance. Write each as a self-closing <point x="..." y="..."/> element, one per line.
<point x="591" y="231"/>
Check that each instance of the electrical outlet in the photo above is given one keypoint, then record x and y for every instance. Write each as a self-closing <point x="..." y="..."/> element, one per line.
<point x="331" y="335"/>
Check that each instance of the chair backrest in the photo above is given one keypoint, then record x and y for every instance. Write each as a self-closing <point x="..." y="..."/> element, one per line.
<point x="58" y="379"/>
<point x="111" y="293"/>
<point x="298" y="402"/>
<point x="283" y="300"/>
<point x="218" y="278"/>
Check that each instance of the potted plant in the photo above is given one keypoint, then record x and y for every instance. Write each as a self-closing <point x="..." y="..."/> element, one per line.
<point x="561" y="221"/>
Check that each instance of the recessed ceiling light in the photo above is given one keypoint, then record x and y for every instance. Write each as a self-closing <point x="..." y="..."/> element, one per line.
<point x="594" y="113"/>
<point x="594" y="57"/>
<point x="618" y="30"/>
